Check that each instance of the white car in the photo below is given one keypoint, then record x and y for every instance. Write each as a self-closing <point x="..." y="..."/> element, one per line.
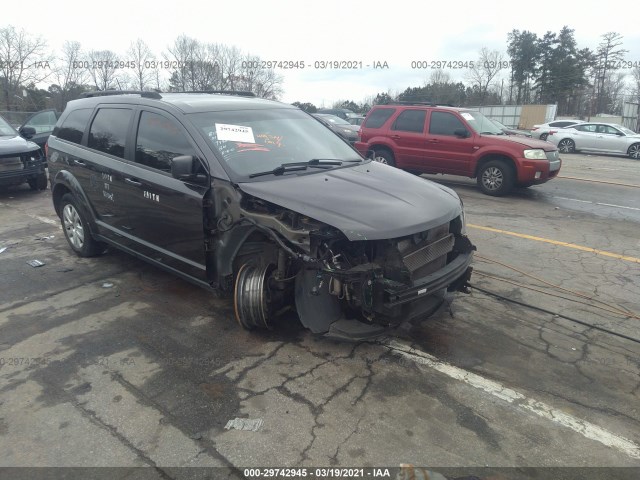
<point x="542" y="131"/>
<point x="596" y="137"/>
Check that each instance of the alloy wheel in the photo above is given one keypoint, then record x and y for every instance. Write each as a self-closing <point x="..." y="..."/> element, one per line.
<point x="73" y="226"/>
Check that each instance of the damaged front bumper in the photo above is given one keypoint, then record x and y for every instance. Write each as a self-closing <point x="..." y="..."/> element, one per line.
<point x="366" y="302"/>
<point x="401" y="303"/>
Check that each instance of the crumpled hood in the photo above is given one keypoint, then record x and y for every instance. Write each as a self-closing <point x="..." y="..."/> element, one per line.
<point x="371" y="201"/>
<point x="16" y="144"/>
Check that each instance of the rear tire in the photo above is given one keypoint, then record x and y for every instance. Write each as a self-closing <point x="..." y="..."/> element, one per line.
<point x="496" y="178"/>
<point x="384" y="156"/>
<point x="76" y="229"/>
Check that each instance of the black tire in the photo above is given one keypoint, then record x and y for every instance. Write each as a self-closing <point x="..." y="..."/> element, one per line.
<point x="566" y="145"/>
<point x="543" y="136"/>
<point x="634" y="151"/>
<point x="496" y="178"/>
<point x="384" y="156"/>
<point x="38" y="183"/>
<point x="76" y="228"/>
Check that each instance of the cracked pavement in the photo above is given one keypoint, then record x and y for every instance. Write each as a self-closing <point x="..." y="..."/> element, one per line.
<point x="148" y="372"/>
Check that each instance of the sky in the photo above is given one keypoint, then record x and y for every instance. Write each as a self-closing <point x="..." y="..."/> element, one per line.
<point x="397" y="32"/>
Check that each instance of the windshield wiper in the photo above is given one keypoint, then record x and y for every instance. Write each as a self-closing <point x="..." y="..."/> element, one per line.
<point x="298" y="166"/>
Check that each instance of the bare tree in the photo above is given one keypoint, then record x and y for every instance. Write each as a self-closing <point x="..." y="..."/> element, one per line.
<point x="438" y="76"/>
<point x="103" y="69"/>
<point x="181" y="55"/>
<point x="70" y="75"/>
<point x="24" y="60"/>
<point x="485" y="71"/>
<point x="608" y="55"/>
<point x="140" y="55"/>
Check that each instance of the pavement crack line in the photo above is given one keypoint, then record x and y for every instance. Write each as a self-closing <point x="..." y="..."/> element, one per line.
<point x="583" y="427"/>
<point x="207" y="444"/>
<point x="93" y="418"/>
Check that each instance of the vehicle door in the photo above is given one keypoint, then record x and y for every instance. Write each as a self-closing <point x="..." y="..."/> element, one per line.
<point x="585" y="136"/>
<point x="449" y="152"/>
<point x="407" y="132"/>
<point x="98" y="168"/>
<point x="42" y="122"/>
<point x="165" y="214"/>
<point x="611" y="140"/>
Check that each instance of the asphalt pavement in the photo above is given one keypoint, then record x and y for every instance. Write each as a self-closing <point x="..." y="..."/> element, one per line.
<point x="111" y="362"/>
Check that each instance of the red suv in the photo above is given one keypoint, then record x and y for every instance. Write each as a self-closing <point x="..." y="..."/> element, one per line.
<point x="428" y="138"/>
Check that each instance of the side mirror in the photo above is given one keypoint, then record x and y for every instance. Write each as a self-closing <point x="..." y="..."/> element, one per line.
<point x="461" y="132"/>
<point x="182" y="167"/>
<point x="27" y="132"/>
<point x="620" y="134"/>
<point x="189" y="169"/>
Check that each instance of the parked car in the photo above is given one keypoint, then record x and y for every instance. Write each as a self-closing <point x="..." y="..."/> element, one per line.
<point x="42" y="122"/>
<point x="425" y="138"/>
<point x="343" y="113"/>
<point x="510" y="131"/>
<point x="542" y="131"/>
<point x="21" y="161"/>
<point x="343" y="128"/>
<point x="256" y="199"/>
<point x="597" y="137"/>
<point x="356" y="120"/>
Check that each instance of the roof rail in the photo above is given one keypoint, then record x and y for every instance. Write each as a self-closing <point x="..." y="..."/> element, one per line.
<point x="105" y="93"/>
<point x="225" y="92"/>
<point x="429" y="104"/>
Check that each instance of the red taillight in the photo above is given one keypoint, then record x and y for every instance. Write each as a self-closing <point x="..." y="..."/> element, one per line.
<point x="534" y="129"/>
<point x="551" y="132"/>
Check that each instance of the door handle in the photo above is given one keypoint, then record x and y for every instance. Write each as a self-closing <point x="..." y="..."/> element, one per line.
<point x="79" y="162"/>
<point x="433" y="141"/>
<point x="132" y="181"/>
<point x="395" y="137"/>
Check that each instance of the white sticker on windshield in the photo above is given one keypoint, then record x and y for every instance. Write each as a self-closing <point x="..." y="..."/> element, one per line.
<point x="234" y="133"/>
<point x="467" y="116"/>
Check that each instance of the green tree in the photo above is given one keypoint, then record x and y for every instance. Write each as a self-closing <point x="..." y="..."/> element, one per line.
<point x="523" y="54"/>
<point x="307" y="107"/>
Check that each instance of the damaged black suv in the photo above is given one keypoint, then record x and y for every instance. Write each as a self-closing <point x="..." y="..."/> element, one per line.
<point x="21" y="161"/>
<point x="256" y="199"/>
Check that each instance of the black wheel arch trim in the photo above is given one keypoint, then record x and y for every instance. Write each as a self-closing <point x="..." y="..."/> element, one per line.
<point x="65" y="179"/>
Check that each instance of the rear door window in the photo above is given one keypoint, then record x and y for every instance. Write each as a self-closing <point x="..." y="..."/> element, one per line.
<point x="109" y="130"/>
<point x="410" y="121"/>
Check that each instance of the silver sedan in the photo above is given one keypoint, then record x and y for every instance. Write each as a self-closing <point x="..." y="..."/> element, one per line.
<point x="597" y="137"/>
<point x="542" y="131"/>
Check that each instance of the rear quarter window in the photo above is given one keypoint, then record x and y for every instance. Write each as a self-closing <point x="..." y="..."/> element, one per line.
<point x="378" y="117"/>
<point x="109" y="130"/>
<point x="73" y="126"/>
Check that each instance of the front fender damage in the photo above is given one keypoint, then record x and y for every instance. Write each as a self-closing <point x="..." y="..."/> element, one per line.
<point x="339" y="287"/>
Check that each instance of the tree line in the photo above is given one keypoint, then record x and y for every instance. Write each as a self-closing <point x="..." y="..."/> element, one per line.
<point x="186" y="65"/>
<point x="540" y="69"/>
<point x="550" y="69"/>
